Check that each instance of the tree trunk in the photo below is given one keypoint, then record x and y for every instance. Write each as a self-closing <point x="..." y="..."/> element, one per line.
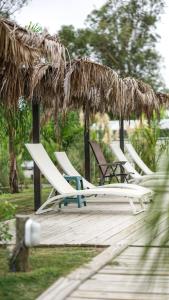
<point x="13" y="174"/>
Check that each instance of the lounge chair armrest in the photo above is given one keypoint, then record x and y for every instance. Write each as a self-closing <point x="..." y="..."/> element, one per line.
<point x="107" y="165"/>
<point x="115" y="163"/>
<point x="120" y="162"/>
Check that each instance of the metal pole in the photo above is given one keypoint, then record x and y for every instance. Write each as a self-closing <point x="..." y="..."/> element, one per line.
<point x="121" y="134"/>
<point x="36" y="139"/>
<point x="86" y="143"/>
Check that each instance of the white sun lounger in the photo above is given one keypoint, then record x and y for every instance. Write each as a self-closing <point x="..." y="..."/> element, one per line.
<point x="69" y="169"/>
<point x="138" y="178"/>
<point x="59" y="183"/>
<point x="137" y="159"/>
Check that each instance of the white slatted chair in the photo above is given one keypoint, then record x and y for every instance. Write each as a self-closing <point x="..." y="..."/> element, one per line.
<point x="137" y="178"/>
<point x="137" y="159"/>
<point x="69" y="169"/>
<point x="59" y="184"/>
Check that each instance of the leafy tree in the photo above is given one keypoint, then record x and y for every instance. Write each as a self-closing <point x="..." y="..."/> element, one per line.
<point x="63" y="135"/>
<point x="9" y="7"/>
<point x="76" y="41"/>
<point x="7" y="211"/>
<point x="16" y="126"/>
<point x="122" y="35"/>
<point x="67" y="136"/>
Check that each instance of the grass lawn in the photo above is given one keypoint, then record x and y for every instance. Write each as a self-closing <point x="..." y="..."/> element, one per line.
<point x="46" y="266"/>
<point x="25" y="199"/>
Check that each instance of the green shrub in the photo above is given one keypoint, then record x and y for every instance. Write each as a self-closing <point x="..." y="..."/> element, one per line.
<point x="145" y="140"/>
<point x="7" y="211"/>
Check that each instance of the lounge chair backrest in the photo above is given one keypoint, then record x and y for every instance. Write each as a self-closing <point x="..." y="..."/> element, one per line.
<point x="97" y="151"/>
<point x="121" y="157"/>
<point x="48" y="169"/>
<point x="137" y="159"/>
<point x="69" y="169"/>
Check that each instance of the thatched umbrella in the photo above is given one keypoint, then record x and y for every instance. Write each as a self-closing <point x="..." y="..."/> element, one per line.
<point x="139" y="98"/>
<point x="22" y="54"/>
<point x="163" y="99"/>
<point x="21" y="51"/>
<point x="90" y="86"/>
<point x="97" y="88"/>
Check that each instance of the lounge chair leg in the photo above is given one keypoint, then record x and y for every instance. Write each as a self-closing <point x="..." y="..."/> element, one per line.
<point x="134" y="209"/>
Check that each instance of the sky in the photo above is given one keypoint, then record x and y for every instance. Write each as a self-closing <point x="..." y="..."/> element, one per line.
<point x="52" y="14"/>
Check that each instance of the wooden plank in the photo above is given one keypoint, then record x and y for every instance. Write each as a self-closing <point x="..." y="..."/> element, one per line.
<point x="95" y="295"/>
<point x="144" y="240"/>
<point x="130" y="278"/>
<point x="75" y="234"/>
<point x="102" y="223"/>
<point x="124" y="233"/>
<point x="114" y="229"/>
<point x="76" y="278"/>
<point x="57" y="290"/>
<point x="126" y="287"/>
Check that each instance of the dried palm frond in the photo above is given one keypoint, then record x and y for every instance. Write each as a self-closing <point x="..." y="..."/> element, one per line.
<point x="148" y="102"/>
<point x="12" y="48"/>
<point x="20" y="45"/>
<point x="11" y="84"/>
<point x="139" y="98"/>
<point x="21" y="55"/>
<point x="90" y="84"/>
<point x="46" y="86"/>
<point x="163" y="99"/>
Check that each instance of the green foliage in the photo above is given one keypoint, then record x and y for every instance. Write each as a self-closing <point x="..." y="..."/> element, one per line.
<point x="128" y="37"/>
<point x="47" y="265"/>
<point x="7" y="211"/>
<point x="145" y="140"/>
<point x="9" y="7"/>
<point x="70" y="130"/>
<point x="14" y="129"/>
<point x="34" y="27"/>
<point x="23" y="201"/>
<point x="122" y="35"/>
<point x="4" y="161"/>
<point x="77" y="41"/>
<point x="66" y="136"/>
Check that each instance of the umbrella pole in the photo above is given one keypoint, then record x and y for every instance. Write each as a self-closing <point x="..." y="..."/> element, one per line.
<point x="36" y="139"/>
<point x="121" y="134"/>
<point x="86" y="143"/>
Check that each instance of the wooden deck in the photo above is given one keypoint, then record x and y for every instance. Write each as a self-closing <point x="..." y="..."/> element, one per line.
<point x="101" y="223"/>
<point x="118" y="272"/>
<point x="126" y="278"/>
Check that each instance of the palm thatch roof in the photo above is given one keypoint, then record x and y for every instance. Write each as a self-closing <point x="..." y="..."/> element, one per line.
<point x="163" y="99"/>
<point x="21" y="52"/>
<point x="90" y="84"/>
<point x="33" y="64"/>
<point x="19" y="45"/>
<point x="102" y="90"/>
<point x="46" y="86"/>
<point x="12" y="47"/>
<point x="139" y="98"/>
